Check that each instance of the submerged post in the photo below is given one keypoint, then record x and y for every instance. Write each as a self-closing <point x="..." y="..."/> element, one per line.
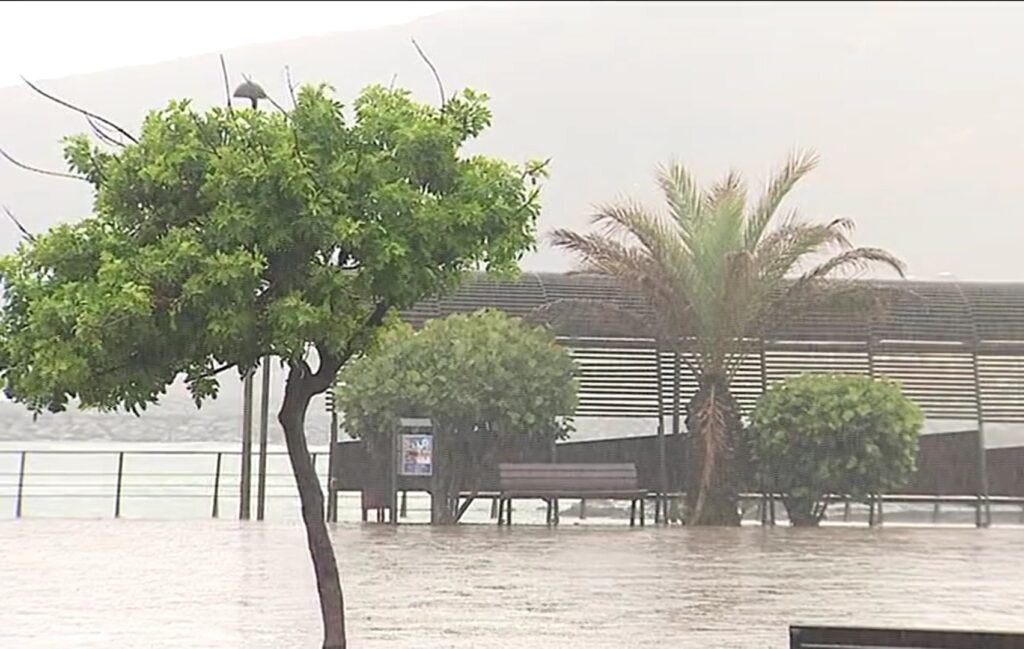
<point x="21" y="484"/>
<point x="246" y="469"/>
<point x="216" y="488"/>
<point x="332" y="466"/>
<point x="120" y="475"/>
<point x="261" y="481"/>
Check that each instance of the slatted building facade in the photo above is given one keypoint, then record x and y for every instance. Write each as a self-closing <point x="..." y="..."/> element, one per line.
<point x="957" y="348"/>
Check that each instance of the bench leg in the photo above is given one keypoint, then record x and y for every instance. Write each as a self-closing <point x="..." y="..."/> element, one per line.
<point x="548" y="502"/>
<point x="557" y="514"/>
<point x="501" y="511"/>
<point x="365" y="515"/>
<point x="508" y="511"/>
<point x="643" y="512"/>
<point x="632" y="513"/>
<point x="494" y="507"/>
<point x="583" y="508"/>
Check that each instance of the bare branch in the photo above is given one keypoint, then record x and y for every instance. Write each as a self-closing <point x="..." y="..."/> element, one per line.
<point x="215" y="371"/>
<point x="31" y="238"/>
<point x="394" y="78"/>
<point x="227" y="83"/>
<point x="437" y="77"/>
<point x="82" y="111"/>
<point x="277" y="105"/>
<point x="291" y="86"/>
<point x="102" y="134"/>
<point x="45" y="172"/>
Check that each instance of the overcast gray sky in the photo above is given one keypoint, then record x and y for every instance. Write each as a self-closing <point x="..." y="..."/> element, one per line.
<point x="54" y="39"/>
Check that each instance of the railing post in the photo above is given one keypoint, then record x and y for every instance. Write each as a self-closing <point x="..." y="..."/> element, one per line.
<point x="216" y="488"/>
<point x="21" y="485"/>
<point x="120" y="474"/>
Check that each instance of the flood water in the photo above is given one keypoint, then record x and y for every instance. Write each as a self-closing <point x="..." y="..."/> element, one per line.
<point x="220" y="584"/>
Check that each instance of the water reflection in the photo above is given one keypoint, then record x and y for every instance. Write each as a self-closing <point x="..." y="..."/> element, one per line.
<point x="226" y="584"/>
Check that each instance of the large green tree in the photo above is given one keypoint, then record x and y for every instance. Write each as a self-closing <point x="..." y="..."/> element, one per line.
<point x="486" y="381"/>
<point x="222" y="236"/>
<point x="719" y="271"/>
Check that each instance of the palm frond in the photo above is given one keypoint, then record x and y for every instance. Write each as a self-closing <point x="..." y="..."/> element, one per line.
<point x="858" y="260"/>
<point x="780" y="251"/>
<point x="797" y="166"/>
<point x="630" y="219"/>
<point x="682" y="195"/>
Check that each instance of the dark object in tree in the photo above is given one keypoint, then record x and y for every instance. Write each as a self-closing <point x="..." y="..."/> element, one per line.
<point x="250" y="90"/>
<point x="225" y="236"/>
<point x="821" y="434"/>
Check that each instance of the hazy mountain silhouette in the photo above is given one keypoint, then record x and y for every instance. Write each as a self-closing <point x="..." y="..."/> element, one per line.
<point x="915" y="110"/>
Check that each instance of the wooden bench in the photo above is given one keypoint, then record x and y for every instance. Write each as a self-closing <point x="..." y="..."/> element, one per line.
<point x="549" y="482"/>
<point x="817" y="637"/>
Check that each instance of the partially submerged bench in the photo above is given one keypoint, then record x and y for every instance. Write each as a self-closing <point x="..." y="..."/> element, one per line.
<point x="818" y="637"/>
<point x="549" y="482"/>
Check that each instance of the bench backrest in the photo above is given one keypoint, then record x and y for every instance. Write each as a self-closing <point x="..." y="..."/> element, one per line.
<point x="567" y="477"/>
<point x="804" y="637"/>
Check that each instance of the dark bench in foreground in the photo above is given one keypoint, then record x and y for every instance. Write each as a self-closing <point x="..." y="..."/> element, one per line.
<point x="549" y="482"/>
<point x="817" y="637"/>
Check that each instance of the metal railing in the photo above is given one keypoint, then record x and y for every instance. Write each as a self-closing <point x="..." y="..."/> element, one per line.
<point x="30" y="475"/>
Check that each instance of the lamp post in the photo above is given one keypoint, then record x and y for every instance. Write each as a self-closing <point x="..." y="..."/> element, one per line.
<point x="252" y="91"/>
<point x="980" y="520"/>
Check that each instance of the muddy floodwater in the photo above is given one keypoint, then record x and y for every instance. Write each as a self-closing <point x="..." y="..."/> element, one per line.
<point x="225" y="584"/>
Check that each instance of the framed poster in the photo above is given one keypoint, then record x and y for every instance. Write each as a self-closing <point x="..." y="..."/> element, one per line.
<point x="415" y="454"/>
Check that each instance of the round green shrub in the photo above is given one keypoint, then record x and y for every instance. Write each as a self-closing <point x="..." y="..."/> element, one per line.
<point x="821" y="434"/>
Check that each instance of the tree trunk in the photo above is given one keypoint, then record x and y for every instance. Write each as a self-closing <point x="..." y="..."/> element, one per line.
<point x="299" y="389"/>
<point x="805" y="511"/>
<point x="446" y="481"/>
<point x="713" y="424"/>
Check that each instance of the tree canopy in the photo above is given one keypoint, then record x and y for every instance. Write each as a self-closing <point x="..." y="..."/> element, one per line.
<point x="221" y="236"/>
<point x="468" y="373"/>
<point x="818" y="434"/>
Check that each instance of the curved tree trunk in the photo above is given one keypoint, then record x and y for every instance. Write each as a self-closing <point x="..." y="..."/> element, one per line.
<point x="299" y="389"/>
<point x="713" y="422"/>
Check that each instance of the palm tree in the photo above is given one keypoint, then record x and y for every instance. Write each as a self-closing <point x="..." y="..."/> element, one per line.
<point x="719" y="272"/>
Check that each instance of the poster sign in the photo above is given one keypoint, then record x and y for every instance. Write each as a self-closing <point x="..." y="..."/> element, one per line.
<point x="415" y="454"/>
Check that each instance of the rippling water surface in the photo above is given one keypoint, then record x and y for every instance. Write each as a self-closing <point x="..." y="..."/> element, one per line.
<point x="219" y="584"/>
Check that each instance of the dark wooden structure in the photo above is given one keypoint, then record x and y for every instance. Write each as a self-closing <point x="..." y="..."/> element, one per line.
<point x="818" y="637"/>
<point x="957" y="348"/>
<point x="551" y="481"/>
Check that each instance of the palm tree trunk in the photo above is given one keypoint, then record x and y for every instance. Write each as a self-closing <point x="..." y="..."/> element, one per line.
<point x="713" y="422"/>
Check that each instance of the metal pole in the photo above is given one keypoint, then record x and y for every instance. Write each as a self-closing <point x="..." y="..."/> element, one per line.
<point x="246" y="470"/>
<point x="120" y="473"/>
<point x="983" y="494"/>
<point x="659" y="504"/>
<point x="261" y="482"/>
<point x="216" y="488"/>
<point x="21" y="485"/>
<point x="332" y="493"/>
<point x="393" y="477"/>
